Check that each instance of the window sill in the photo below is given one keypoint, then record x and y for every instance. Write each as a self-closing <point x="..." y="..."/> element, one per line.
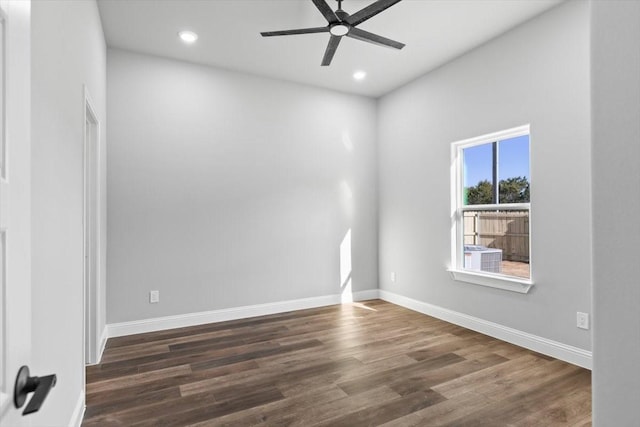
<point x="507" y="283"/>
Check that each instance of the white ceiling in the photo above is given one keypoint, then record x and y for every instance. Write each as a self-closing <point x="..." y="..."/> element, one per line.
<point x="434" y="31"/>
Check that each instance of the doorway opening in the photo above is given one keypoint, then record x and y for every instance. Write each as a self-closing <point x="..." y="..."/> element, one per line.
<point x="92" y="336"/>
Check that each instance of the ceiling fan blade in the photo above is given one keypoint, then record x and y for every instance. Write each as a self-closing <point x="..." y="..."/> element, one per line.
<point x="365" y="36"/>
<point x="292" y="32"/>
<point x="370" y="11"/>
<point x="334" y="41"/>
<point x="328" y="13"/>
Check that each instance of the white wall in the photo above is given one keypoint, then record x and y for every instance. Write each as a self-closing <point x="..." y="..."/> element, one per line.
<point x="228" y="190"/>
<point x="68" y="50"/>
<point x="616" y="231"/>
<point x="537" y="73"/>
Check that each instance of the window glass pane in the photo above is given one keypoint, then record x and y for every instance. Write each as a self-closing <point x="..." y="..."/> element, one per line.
<point x="497" y="242"/>
<point x="513" y="170"/>
<point x="477" y="174"/>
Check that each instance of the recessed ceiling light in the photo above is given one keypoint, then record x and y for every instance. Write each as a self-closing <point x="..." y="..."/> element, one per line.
<point x="359" y="75"/>
<point x="188" y="36"/>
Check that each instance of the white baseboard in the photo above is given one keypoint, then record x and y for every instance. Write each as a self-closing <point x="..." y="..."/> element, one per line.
<point x="78" y="412"/>
<point x="570" y="354"/>
<point x="366" y="295"/>
<point x="103" y="342"/>
<point x="192" y="319"/>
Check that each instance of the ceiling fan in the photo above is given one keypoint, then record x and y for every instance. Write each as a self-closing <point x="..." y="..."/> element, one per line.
<point x="343" y="24"/>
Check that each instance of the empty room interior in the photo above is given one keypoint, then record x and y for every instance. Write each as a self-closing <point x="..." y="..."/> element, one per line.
<point x="320" y="213"/>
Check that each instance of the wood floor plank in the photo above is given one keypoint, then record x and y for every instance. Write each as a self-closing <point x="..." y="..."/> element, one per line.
<point x="443" y="412"/>
<point x="140" y="350"/>
<point x="327" y="413"/>
<point x="429" y="379"/>
<point x="363" y="364"/>
<point x="276" y="413"/>
<point x="480" y="380"/>
<point x="333" y="378"/>
<point x="517" y="406"/>
<point x="570" y="411"/>
<point x="274" y="377"/>
<point x="373" y="415"/>
<point x="189" y="412"/>
<point x="120" y="383"/>
<point x="124" y="401"/>
<point x="361" y="384"/>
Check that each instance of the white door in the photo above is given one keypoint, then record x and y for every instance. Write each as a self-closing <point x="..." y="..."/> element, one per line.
<point x="15" y="202"/>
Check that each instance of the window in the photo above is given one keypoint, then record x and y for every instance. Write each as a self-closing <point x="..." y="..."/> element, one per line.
<point x="490" y="189"/>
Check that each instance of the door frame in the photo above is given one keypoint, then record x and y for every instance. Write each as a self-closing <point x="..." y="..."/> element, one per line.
<point x="91" y="220"/>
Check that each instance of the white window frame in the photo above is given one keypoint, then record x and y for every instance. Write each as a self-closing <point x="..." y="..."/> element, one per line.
<point x="494" y="280"/>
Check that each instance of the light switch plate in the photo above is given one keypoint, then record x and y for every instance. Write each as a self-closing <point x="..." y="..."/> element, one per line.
<point x="582" y="320"/>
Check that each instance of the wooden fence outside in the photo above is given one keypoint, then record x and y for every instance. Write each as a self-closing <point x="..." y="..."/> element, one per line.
<point x="506" y="230"/>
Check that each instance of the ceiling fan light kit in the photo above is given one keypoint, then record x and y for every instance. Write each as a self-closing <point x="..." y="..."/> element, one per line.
<point x="340" y="24"/>
<point x="339" y="30"/>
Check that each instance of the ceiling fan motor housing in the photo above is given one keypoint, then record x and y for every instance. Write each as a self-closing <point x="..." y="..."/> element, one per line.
<point x="340" y="28"/>
<point x="342" y="15"/>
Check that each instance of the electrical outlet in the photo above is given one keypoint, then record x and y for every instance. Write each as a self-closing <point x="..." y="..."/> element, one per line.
<point x="582" y="320"/>
<point x="154" y="297"/>
<point x="393" y="276"/>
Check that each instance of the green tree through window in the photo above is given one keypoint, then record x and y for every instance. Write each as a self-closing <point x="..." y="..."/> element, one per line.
<point x="512" y="190"/>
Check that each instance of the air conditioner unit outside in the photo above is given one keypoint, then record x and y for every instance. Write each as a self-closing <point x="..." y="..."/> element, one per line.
<point x="481" y="258"/>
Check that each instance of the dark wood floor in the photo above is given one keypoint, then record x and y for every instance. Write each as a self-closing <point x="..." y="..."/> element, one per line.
<point x="363" y="364"/>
